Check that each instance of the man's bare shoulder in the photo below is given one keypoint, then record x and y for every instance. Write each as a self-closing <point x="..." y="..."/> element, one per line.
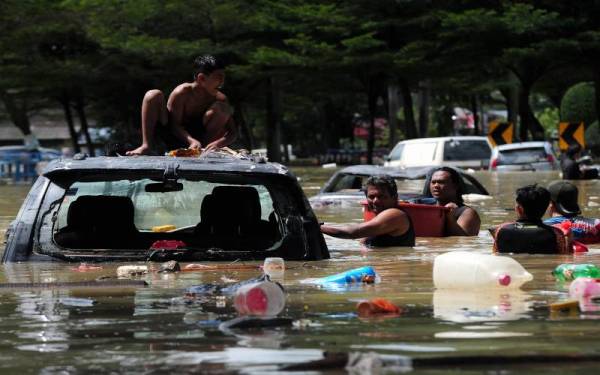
<point x="184" y="89"/>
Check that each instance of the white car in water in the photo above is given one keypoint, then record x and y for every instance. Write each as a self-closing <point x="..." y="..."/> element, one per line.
<point x="524" y="156"/>
<point x="459" y="151"/>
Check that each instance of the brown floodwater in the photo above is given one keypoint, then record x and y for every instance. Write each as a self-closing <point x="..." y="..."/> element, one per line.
<point x="153" y="329"/>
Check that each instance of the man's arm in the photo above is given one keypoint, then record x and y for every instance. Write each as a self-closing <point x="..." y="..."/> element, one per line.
<point x="467" y="224"/>
<point x="228" y="137"/>
<point x="388" y="222"/>
<point x="175" y="105"/>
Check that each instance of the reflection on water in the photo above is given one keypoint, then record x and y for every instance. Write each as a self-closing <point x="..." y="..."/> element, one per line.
<point x="154" y="329"/>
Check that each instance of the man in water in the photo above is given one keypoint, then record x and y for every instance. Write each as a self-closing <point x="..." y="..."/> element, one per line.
<point x="564" y="207"/>
<point x="445" y="187"/>
<point x="196" y="114"/>
<point x="390" y="227"/>
<point x="529" y="234"/>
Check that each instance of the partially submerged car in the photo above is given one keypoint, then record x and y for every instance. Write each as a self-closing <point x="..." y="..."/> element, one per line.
<point x="524" y="156"/>
<point x="345" y="186"/>
<point x="457" y="151"/>
<point x="213" y="207"/>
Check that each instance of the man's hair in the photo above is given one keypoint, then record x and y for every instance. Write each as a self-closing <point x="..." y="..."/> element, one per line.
<point x="207" y="64"/>
<point x="382" y="182"/>
<point x="456" y="180"/>
<point x="534" y="200"/>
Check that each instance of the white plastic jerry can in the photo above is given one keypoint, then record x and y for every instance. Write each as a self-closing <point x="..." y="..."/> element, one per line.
<point x="467" y="270"/>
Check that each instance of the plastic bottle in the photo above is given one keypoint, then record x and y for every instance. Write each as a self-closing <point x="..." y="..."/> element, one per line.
<point x="569" y="271"/>
<point x="274" y="267"/>
<point x="584" y="287"/>
<point x="365" y="274"/>
<point x="260" y="298"/>
<point x="464" y="270"/>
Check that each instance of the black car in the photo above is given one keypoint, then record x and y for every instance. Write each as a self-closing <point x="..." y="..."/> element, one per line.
<point x="213" y="207"/>
<point x="345" y="186"/>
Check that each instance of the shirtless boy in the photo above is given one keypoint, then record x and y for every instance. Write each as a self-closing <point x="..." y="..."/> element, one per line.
<point x="196" y="114"/>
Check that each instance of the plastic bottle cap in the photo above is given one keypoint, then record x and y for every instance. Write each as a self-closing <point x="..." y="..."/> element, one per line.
<point x="504" y="280"/>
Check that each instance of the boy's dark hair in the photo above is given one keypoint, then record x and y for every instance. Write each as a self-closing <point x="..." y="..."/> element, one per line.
<point x="207" y="64"/>
<point x="534" y="200"/>
<point x="383" y="182"/>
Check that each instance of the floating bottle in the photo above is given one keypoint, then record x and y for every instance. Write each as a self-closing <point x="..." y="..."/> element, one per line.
<point x="265" y="298"/>
<point x="584" y="287"/>
<point x="462" y="269"/>
<point x="569" y="271"/>
<point x="365" y="274"/>
<point x="274" y="267"/>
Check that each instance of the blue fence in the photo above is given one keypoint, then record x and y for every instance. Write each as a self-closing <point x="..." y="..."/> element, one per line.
<point x="19" y="166"/>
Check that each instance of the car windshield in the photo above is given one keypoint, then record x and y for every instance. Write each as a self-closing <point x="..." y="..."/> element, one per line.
<point x="522" y="156"/>
<point x="134" y="214"/>
<point x="459" y="150"/>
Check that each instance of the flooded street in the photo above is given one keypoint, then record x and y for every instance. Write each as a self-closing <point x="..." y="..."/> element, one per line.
<point x="153" y="329"/>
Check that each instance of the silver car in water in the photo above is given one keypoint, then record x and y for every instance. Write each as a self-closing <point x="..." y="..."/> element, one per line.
<point x="524" y="156"/>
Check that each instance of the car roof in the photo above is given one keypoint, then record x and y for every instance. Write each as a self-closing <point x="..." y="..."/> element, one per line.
<point x="372" y="170"/>
<point x="517" y="145"/>
<point x="212" y="162"/>
<point x="436" y="139"/>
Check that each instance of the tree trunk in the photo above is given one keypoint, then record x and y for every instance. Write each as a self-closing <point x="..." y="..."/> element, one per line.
<point x="66" y="103"/>
<point x="247" y="140"/>
<point x="17" y="114"/>
<point x="372" y="99"/>
<point x="475" y="110"/>
<point x="424" y="99"/>
<point x="410" y="129"/>
<point x="79" y="108"/>
<point x="273" y="121"/>
<point x="392" y="106"/>
<point x="597" y="93"/>
<point x="528" y="120"/>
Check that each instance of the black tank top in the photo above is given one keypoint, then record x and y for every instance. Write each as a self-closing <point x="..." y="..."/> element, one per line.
<point x="533" y="237"/>
<point x="386" y="240"/>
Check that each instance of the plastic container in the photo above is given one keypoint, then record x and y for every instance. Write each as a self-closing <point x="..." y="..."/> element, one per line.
<point x="377" y="306"/>
<point x="466" y="270"/>
<point x="365" y="274"/>
<point x="274" y="267"/>
<point x="264" y="298"/>
<point x="569" y="271"/>
<point x="129" y="271"/>
<point x="584" y="287"/>
<point x="428" y="220"/>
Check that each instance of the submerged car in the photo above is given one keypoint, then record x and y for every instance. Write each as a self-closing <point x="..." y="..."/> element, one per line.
<point x="213" y="207"/>
<point x="524" y="156"/>
<point x="345" y="186"/>
<point x="458" y="151"/>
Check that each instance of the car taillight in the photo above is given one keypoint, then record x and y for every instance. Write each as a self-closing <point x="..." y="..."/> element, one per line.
<point x="494" y="164"/>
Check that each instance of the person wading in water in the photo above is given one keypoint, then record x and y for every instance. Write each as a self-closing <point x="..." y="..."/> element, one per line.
<point x="390" y="227"/>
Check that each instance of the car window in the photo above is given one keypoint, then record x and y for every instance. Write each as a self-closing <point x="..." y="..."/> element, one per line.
<point x="178" y="208"/>
<point x="347" y="182"/>
<point x="458" y="150"/>
<point x="419" y="153"/>
<point x="522" y="155"/>
<point x="396" y="153"/>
